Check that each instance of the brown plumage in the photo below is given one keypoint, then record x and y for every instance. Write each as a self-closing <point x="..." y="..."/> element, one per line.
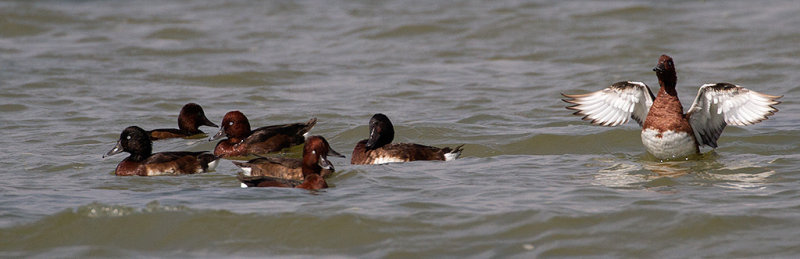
<point x="282" y="167"/>
<point x="667" y="111"/>
<point x="315" y="160"/>
<point x="143" y="162"/>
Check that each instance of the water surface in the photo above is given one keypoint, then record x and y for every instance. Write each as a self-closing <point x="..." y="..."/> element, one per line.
<point x="533" y="181"/>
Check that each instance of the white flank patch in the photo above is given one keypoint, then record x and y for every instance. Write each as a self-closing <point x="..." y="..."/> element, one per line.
<point x="243" y="185"/>
<point x="171" y="171"/>
<point x="669" y="145"/>
<point x="386" y="160"/>
<point x="247" y="171"/>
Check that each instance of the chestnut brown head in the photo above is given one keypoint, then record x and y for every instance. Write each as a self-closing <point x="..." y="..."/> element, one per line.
<point x="234" y="125"/>
<point x="665" y="70"/>
<point x="315" y="155"/>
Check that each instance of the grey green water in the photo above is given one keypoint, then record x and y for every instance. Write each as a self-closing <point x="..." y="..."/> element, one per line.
<point x="534" y="181"/>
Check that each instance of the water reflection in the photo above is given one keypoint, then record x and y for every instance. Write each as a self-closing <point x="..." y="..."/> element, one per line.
<point x="705" y="169"/>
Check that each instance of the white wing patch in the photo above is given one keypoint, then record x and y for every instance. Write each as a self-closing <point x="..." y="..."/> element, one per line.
<point x="614" y="105"/>
<point x="720" y="104"/>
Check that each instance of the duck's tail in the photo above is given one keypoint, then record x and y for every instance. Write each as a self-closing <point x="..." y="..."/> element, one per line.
<point x="453" y="154"/>
<point x="310" y="124"/>
<point x="245" y="167"/>
<point x="209" y="160"/>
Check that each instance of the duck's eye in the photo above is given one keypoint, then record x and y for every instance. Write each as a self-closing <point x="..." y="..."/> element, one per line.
<point x="313" y="152"/>
<point x="230" y="123"/>
<point x="128" y="137"/>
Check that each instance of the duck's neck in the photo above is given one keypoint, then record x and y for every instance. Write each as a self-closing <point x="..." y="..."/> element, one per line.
<point x="313" y="182"/>
<point x="667" y="82"/>
<point x="188" y="126"/>
<point x="667" y="100"/>
<point x="311" y="169"/>
<point x="138" y="157"/>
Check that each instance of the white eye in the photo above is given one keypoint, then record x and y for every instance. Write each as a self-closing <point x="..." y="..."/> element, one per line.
<point x="230" y="123"/>
<point x="313" y="152"/>
<point x="128" y="137"/>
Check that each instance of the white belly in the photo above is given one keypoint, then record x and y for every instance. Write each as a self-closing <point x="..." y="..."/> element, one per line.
<point x="668" y="144"/>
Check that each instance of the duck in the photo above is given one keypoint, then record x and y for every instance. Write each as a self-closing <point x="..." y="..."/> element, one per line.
<point x="379" y="149"/>
<point x="189" y="120"/>
<point x="143" y="162"/>
<point x="315" y="161"/>
<point x="281" y="167"/>
<point x="242" y="142"/>
<point x="667" y="132"/>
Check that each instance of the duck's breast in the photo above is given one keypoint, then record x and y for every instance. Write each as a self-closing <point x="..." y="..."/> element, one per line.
<point x="669" y="144"/>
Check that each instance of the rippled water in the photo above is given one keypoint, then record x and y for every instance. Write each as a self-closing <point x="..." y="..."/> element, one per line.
<point x="534" y="180"/>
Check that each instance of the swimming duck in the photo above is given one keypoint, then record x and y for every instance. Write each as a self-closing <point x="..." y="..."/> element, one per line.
<point x="315" y="160"/>
<point x="379" y="149"/>
<point x="143" y="162"/>
<point x="667" y="132"/>
<point x="282" y="167"/>
<point x="242" y="141"/>
<point x="189" y="120"/>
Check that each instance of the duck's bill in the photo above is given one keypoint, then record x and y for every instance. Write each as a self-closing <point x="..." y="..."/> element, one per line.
<point x="325" y="163"/>
<point x="373" y="138"/>
<point x="207" y="122"/>
<point x="116" y="150"/>
<point x="219" y="135"/>
<point x="332" y="152"/>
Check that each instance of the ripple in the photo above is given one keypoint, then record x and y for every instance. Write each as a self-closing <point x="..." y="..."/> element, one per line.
<point x="175" y="34"/>
<point x="93" y="39"/>
<point x="534" y="180"/>
<point x="141" y="51"/>
<point x="623" y="11"/>
<point x="12" y="107"/>
<point x="12" y="30"/>
<point x="246" y="78"/>
<point x="413" y="30"/>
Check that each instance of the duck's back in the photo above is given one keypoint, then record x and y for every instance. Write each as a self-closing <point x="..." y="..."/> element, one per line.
<point x="158" y="134"/>
<point x="398" y="152"/>
<point x="280" y="167"/>
<point x="274" y="138"/>
<point x="267" y="181"/>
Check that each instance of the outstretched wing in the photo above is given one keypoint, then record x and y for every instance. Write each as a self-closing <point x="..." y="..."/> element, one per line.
<point x="720" y="104"/>
<point x="614" y="105"/>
